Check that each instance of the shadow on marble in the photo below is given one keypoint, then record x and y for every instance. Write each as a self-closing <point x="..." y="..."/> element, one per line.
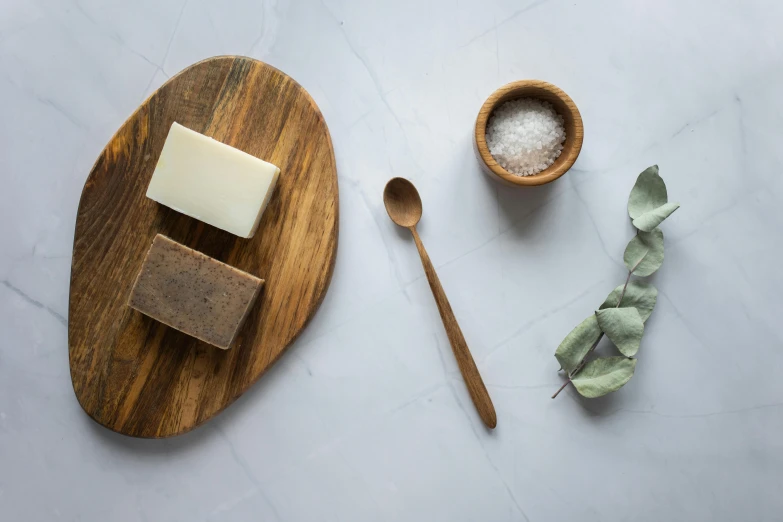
<point x="149" y="447"/>
<point x="403" y="233"/>
<point x="519" y="206"/>
<point x="598" y="409"/>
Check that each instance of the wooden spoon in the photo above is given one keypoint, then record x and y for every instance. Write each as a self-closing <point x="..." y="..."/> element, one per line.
<point x="404" y="207"/>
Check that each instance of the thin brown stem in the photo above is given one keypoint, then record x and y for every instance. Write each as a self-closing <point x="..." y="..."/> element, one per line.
<point x="579" y="366"/>
<point x="627" y="280"/>
<point x="584" y="359"/>
<point x="582" y="363"/>
<point x="561" y="388"/>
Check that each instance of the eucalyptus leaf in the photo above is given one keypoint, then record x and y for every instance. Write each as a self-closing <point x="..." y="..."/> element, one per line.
<point x="647" y="194"/>
<point x="604" y="375"/>
<point x="653" y="218"/>
<point x="577" y="343"/>
<point x="623" y="326"/>
<point x="638" y="294"/>
<point x="644" y="253"/>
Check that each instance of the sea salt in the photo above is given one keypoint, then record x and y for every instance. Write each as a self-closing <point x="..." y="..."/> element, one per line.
<point x="525" y="136"/>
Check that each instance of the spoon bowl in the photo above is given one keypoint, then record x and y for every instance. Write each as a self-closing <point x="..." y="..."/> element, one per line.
<point x="402" y="202"/>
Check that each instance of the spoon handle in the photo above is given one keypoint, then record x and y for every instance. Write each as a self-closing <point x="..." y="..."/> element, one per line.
<point x="478" y="392"/>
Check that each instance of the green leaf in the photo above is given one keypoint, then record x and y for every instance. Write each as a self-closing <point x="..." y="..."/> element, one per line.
<point x="644" y="253"/>
<point x="653" y="218"/>
<point x="623" y="326"/>
<point x="647" y="194"/>
<point x="604" y="375"/>
<point x="639" y="294"/>
<point x="577" y="343"/>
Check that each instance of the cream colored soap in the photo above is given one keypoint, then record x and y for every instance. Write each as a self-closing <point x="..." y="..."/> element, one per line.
<point x="212" y="182"/>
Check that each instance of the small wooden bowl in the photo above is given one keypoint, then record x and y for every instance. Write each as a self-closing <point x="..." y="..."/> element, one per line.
<point x="561" y="102"/>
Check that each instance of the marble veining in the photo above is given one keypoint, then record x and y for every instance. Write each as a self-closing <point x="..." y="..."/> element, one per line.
<point x="366" y="417"/>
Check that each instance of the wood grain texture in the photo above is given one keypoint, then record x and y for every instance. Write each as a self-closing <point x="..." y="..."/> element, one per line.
<point x="137" y="376"/>
<point x="467" y="366"/>
<point x="404" y="207"/>
<point x="561" y="102"/>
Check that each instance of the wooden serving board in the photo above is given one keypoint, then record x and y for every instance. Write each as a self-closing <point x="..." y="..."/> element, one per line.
<point x="137" y="376"/>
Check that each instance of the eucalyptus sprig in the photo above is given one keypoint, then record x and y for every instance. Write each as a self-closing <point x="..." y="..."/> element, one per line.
<point x="622" y="315"/>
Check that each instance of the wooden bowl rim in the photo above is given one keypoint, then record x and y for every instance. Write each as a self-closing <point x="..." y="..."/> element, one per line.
<point x="547" y="175"/>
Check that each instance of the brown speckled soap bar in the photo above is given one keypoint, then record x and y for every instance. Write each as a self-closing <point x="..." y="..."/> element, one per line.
<point x="193" y="293"/>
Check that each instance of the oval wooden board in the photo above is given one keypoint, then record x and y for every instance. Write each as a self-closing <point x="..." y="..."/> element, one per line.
<point x="137" y="376"/>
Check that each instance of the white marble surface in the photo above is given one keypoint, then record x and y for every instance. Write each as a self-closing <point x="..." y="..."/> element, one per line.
<point x="366" y="417"/>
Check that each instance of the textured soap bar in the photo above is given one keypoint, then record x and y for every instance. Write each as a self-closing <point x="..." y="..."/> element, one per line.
<point x="212" y="182"/>
<point x="193" y="293"/>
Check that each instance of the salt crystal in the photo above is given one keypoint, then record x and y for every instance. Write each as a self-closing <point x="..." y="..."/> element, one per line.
<point x="525" y="136"/>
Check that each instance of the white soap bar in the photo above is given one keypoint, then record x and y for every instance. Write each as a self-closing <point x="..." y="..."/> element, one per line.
<point x="212" y="182"/>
